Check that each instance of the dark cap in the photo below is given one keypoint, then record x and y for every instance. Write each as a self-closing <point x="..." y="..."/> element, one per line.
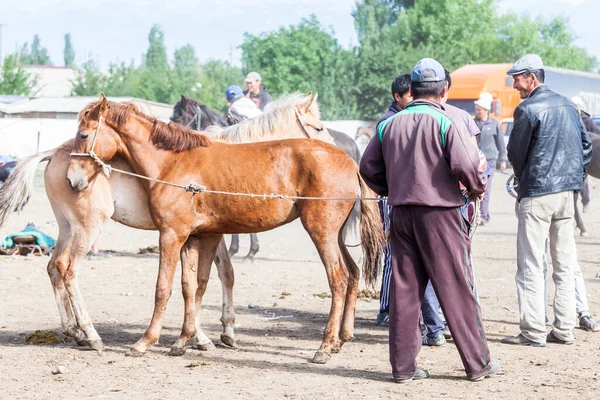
<point x="428" y="70"/>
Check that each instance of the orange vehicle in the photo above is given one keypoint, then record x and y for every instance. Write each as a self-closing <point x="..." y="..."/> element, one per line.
<point x="469" y="81"/>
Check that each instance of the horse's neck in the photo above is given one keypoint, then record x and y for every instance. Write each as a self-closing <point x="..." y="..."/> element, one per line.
<point x="143" y="157"/>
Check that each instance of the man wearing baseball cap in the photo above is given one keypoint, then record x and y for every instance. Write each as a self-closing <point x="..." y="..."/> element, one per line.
<point x="550" y="150"/>
<point x="257" y="92"/>
<point x="417" y="159"/>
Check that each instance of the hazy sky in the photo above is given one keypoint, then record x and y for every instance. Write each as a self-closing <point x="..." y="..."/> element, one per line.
<point x="110" y="30"/>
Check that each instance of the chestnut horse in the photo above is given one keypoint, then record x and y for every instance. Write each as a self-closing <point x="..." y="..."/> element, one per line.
<point x="81" y="216"/>
<point x="191" y="223"/>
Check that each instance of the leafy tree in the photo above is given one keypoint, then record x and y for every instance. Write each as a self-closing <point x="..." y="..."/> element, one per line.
<point x="303" y="58"/>
<point x="186" y="71"/>
<point x="14" y="79"/>
<point x="38" y="55"/>
<point x="123" y="80"/>
<point x="215" y="77"/>
<point x="155" y="79"/>
<point x="68" y="52"/>
<point x="89" y="81"/>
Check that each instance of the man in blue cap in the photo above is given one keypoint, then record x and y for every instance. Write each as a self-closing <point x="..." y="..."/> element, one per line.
<point x="417" y="159"/>
<point x="550" y="150"/>
<point x="240" y="108"/>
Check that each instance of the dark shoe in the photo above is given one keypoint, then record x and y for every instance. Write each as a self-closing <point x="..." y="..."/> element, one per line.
<point x="419" y="374"/>
<point x="553" y="339"/>
<point x="438" y="340"/>
<point x="521" y="340"/>
<point x="383" y="318"/>
<point x="588" y="324"/>
<point x="494" y="369"/>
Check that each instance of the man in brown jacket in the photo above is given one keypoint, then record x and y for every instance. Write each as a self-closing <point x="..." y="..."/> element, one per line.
<point x="417" y="159"/>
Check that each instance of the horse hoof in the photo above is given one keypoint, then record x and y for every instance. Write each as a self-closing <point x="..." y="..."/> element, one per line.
<point x="584" y="234"/>
<point x="209" y="346"/>
<point x="135" y="353"/>
<point x="95" y="345"/>
<point x="321" y="358"/>
<point x="176" y="352"/>
<point x="346" y="339"/>
<point x="228" y="341"/>
<point x="248" y="258"/>
<point x="232" y="252"/>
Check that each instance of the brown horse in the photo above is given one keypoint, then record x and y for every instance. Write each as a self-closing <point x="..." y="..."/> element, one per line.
<point x="81" y="215"/>
<point x="190" y="223"/>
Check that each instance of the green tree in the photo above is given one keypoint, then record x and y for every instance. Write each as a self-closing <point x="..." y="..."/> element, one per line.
<point x="68" y="52"/>
<point x="215" y="77"/>
<point x="123" y="80"/>
<point x="155" y="79"/>
<point x="303" y="58"/>
<point x="14" y="79"/>
<point x="89" y="81"/>
<point x="38" y="55"/>
<point x="186" y="71"/>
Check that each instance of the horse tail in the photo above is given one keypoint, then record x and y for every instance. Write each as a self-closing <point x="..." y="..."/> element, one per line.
<point x="371" y="232"/>
<point x="17" y="189"/>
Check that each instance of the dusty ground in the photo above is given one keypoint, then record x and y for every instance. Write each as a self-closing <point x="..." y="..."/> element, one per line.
<point x="272" y="359"/>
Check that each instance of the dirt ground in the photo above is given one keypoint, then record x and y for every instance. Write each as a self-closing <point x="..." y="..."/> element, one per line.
<point x="277" y="339"/>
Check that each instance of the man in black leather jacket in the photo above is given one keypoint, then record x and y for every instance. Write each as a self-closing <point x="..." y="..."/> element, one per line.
<point x="549" y="150"/>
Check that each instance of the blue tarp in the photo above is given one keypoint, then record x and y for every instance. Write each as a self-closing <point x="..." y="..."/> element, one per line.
<point x="41" y="239"/>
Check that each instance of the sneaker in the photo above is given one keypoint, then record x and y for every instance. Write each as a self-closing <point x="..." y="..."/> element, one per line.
<point x="419" y="374"/>
<point x="383" y="318"/>
<point x="588" y="324"/>
<point x="521" y="340"/>
<point x="553" y="339"/>
<point x="438" y="340"/>
<point x="494" y="369"/>
<point x="447" y="333"/>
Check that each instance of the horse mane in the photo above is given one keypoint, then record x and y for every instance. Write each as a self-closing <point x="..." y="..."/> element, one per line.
<point x="276" y="115"/>
<point x="164" y="136"/>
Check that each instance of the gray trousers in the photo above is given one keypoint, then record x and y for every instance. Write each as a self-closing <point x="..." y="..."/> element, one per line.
<point x="541" y="217"/>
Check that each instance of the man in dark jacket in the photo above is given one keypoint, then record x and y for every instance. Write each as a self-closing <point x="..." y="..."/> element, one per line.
<point x="549" y="150"/>
<point x="401" y="95"/>
<point x="257" y="92"/>
<point x="491" y="143"/>
<point x="417" y="159"/>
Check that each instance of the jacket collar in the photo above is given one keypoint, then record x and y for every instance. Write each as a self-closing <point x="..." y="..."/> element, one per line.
<point x="540" y="88"/>
<point x="395" y="108"/>
<point x="430" y="103"/>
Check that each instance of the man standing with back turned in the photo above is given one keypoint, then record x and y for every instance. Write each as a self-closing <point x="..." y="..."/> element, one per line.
<point x="417" y="159"/>
<point x="549" y="150"/>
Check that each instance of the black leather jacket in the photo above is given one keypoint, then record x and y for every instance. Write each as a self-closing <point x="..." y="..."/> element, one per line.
<point x="549" y="147"/>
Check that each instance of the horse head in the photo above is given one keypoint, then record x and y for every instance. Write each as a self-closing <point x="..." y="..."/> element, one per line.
<point x="97" y="139"/>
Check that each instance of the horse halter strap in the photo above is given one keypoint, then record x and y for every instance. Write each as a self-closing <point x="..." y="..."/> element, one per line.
<point x="105" y="167"/>
<point x="197" y="118"/>
<point x="304" y="128"/>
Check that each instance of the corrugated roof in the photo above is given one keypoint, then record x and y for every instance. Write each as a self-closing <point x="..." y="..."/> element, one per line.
<point x="72" y="105"/>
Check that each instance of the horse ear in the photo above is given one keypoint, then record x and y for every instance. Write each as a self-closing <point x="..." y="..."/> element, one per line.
<point x="316" y="95"/>
<point x="183" y="99"/>
<point x="103" y="103"/>
<point x="306" y="105"/>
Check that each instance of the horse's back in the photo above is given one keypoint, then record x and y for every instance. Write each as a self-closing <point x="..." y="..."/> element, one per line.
<point x="346" y="143"/>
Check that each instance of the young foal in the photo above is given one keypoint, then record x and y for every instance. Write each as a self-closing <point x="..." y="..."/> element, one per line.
<point x="303" y="168"/>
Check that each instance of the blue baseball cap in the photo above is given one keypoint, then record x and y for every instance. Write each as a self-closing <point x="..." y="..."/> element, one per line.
<point x="428" y="70"/>
<point x="234" y="92"/>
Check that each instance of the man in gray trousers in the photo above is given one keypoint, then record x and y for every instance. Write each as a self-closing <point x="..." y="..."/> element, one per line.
<point x="549" y="150"/>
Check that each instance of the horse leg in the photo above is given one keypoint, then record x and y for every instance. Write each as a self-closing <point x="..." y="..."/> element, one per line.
<point x="347" y="329"/>
<point x="189" y="284"/>
<point x="226" y="275"/>
<point x="254" y="247"/>
<point x="170" y="245"/>
<point x="337" y="275"/>
<point x="234" y="247"/>
<point x="66" y="263"/>
<point x="206" y="257"/>
<point x="578" y="220"/>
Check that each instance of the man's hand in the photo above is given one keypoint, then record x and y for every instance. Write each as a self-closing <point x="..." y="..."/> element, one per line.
<point x="502" y="166"/>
